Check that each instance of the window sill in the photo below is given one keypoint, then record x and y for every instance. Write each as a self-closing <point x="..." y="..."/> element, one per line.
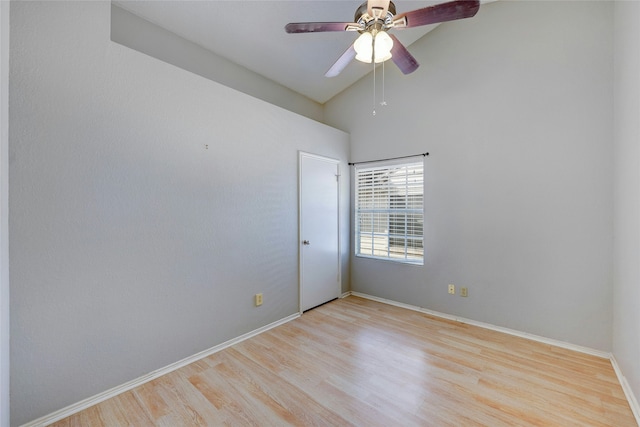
<point x="392" y="260"/>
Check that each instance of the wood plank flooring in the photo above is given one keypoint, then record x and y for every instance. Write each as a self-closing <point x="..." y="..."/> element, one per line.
<point x="355" y="362"/>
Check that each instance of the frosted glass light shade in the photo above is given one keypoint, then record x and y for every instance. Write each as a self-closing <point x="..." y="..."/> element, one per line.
<point x="383" y="45"/>
<point x="364" y="47"/>
<point x="365" y="44"/>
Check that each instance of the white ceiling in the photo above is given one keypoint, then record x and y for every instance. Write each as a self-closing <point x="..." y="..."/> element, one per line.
<point x="251" y="33"/>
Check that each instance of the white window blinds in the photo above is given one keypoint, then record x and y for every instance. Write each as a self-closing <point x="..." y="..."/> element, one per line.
<point x="390" y="212"/>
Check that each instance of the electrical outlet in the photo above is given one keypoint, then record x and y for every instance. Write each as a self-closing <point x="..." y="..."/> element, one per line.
<point x="452" y="289"/>
<point x="258" y="300"/>
<point x="464" y="292"/>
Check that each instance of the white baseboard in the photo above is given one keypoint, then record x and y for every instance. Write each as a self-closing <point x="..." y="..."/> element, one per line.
<point x="557" y="343"/>
<point x="631" y="398"/>
<point x="100" y="397"/>
<point x="628" y="392"/>
<point x="86" y="403"/>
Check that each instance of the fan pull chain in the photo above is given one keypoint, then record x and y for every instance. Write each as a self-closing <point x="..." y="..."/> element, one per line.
<point x="383" y="103"/>
<point x="374" y="87"/>
<point x="373" y="62"/>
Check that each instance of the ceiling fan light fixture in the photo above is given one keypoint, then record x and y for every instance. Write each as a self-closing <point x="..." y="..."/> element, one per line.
<point x="366" y="44"/>
<point x="363" y="46"/>
<point x="383" y="45"/>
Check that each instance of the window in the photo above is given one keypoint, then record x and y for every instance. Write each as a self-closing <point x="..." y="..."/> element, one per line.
<point x="390" y="212"/>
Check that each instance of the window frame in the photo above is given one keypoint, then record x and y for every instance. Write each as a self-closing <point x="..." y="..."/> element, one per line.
<point x="376" y="179"/>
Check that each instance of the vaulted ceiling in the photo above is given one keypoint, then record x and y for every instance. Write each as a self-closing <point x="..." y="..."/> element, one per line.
<point x="251" y="34"/>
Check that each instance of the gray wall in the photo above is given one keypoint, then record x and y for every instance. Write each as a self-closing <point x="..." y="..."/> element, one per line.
<point x="515" y="107"/>
<point x="626" y="302"/>
<point x="137" y="33"/>
<point x="4" y="213"/>
<point x="132" y="245"/>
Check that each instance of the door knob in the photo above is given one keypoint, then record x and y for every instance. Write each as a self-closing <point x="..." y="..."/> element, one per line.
<point x="305" y="242"/>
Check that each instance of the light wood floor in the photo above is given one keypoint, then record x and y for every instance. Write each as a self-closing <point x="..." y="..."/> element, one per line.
<point x="359" y="362"/>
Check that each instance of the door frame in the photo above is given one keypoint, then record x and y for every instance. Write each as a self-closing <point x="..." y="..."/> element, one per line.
<point x="301" y="155"/>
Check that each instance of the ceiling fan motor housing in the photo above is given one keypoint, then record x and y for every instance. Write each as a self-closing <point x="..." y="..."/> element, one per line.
<point x="366" y="21"/>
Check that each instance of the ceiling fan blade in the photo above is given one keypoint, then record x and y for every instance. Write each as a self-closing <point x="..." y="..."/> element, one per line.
<point x="318" y="27"/>
<point x="450" y="11"/>
<point x="342" y="62"/>
<point x="377" y="8"/>
<point x="402" y="58"/>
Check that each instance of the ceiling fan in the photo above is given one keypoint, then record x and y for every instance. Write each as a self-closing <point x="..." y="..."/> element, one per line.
<point x="373" y="20"/>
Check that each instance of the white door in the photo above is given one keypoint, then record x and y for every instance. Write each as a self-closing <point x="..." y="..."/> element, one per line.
<point x="319" y="242"/>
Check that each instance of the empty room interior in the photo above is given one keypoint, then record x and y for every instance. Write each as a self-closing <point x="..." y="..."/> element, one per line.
<point x="200" y="227"/>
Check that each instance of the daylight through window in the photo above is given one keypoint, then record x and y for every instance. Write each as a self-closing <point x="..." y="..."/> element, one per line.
<point x="390" y="212"/>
